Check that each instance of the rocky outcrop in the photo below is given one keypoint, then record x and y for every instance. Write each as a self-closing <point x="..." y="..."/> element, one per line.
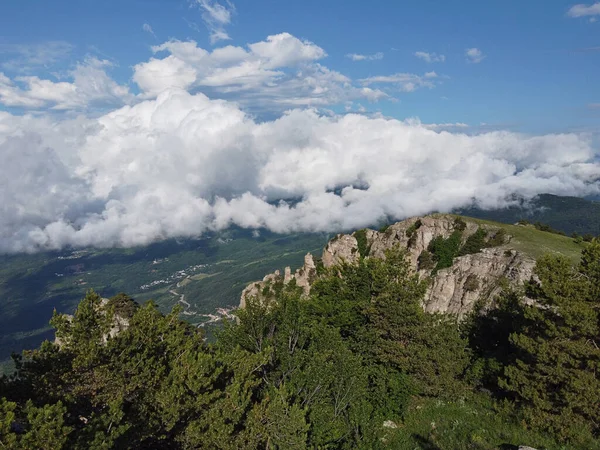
<point x="481" y="275"/>
<point x="342" y="248"/>
<point x="303" y="278"/>
<point x="255" y="289"/>
<point x="119" y="323"/>
<point x="452" y="290"/>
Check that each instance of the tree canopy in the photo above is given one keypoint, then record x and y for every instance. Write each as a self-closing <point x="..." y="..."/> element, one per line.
<point x="350" y="366"/>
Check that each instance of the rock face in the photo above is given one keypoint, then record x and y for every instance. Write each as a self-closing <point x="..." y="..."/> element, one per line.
<point x="456" y="289"/>
<point x="341" y="248"/>
<point x="304" y="277"/>
<point x="452" y="290"/>
<point x="255" y="289"/>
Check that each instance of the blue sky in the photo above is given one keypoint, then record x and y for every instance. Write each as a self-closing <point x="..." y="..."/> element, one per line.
<point x="536" y="76"/>
<point x="123" y="122"/>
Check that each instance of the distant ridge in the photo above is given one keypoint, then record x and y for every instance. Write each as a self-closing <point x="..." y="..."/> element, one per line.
<point x="566" y="214"/>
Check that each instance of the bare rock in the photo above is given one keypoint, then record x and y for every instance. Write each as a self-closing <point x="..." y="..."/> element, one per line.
<point x="389" y="424"/>
<point x="342" y="248"/>
<point x="255" y="289"/>
<point x="480" y="275"/>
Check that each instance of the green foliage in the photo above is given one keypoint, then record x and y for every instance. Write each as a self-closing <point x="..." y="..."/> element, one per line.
<point x="471" y="283"/>
<point x="40" y="428"/>
<point x="414" y="227"/>
<point x="554" y="376"/>
<point x="498" y="239"/>
<point x="426" y="260"/>
<point x="488" y="335"/>
<point x="124" y="306"/>
<point x="325" y="371"/>
<point x="445" y="250"/>
<point x="319" y="267"/>
<point x="547" y="228"/>
<point x="384" y="228"/>
<point x="467" y="423"/>
<point x="363" y="245"/>
<point x="460" y="224"/>
<point x="474" y="243"/>
<point x="410" y="232"/>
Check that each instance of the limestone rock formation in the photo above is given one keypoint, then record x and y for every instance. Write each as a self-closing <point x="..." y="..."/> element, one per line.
<point x="452" y="290"/>
<point x="343" y="247"/>
<point x="456" y="289"/>
<point x="255" y="289"/>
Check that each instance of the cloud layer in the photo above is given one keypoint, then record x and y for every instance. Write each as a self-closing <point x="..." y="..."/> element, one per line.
<point x="182" y="164"/>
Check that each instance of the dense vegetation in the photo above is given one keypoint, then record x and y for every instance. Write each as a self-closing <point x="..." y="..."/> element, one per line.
<point x="358" y="364"/>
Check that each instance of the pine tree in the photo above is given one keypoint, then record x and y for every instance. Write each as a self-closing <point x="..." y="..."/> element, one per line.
<point x="556" y="374"/>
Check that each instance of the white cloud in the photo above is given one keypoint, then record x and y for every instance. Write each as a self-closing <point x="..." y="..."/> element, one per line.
<point x="455" y="126"/>
<point x="216" y="16"/>
<point x="430" y="57"/>
<point x="359" y="57"/>
<point x="405" y="82"/>
<point x="277" y="73"/>
<point x="182" y="164"/>
<point x="26" y="57"/>
<point x="148" y="29"/>
<point x="582" y="10"/>
<point x="474" y="55"/>
<point x="90" y="86"/>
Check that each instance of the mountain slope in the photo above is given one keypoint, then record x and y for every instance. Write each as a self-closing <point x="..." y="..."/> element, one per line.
<point x="567" y="214"/>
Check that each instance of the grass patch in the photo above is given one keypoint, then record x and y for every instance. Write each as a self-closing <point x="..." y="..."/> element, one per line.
<point x="536" y="243"/>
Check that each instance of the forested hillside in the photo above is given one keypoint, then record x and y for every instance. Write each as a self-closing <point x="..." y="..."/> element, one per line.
<point x="209" y="273"/>
<point x="357" y="364"/>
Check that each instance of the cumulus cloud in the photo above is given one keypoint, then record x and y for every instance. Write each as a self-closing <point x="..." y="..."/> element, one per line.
<point x="216" y="16"/>
<point x="359" y="57"/>
<point x="277" y="73"/>
<point x="430" y="57"/>
<point x="474" y="55"/>
<point x="182" y="164"/>
<point x="90" y="86"/>
<point x="582" y="10"/>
